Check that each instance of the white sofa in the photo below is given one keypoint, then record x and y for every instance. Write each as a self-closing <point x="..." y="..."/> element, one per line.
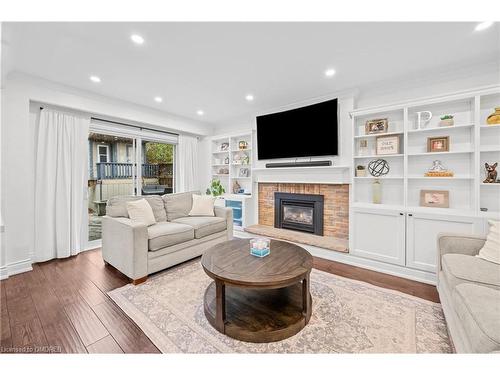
<point x="138" y="251"/>
<point x="469" y="290"/>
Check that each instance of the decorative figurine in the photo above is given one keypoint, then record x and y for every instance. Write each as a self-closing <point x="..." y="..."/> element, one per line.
<point x="438" y="170"/>
<point x="242" y="145"/>
<point x="245" y="159"/>
<point x="237" y="159"/>
<point x="494" y="118"/>
<point x="378" y="167"/>
<point x="236" y="187"/>
<point x="491" y="173"/>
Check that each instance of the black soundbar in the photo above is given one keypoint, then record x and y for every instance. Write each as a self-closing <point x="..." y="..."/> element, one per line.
<point x="317" y="163"/>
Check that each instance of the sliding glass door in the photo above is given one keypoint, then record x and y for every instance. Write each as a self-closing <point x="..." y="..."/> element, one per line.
<point x="111" y="173"/>
<point x="157" y="173"/>
<point x="125" y="161"/>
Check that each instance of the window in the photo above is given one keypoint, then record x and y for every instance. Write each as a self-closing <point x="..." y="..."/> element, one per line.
<point x="103" y="153"/>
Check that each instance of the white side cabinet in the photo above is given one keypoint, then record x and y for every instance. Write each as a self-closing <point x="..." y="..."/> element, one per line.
<point x="242" y="208"/>
<point x="407" y="239"/>
<point x="379" y="235"/>
<point x="421" y="236"/>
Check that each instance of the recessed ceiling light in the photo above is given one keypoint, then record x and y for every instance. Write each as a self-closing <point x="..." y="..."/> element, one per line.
<point x="158" y="99"/>
<point x="137" y="39"/>
<point x="95" y="79"/>
<point x="249" y="97"/>
<point x="200" y="112"/>
<point x="330" y="72"/>
<point x="483" y="25"/>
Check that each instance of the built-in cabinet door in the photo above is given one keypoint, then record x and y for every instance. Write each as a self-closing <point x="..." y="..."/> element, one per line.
<point x="422" y="232"/>
<point x="379" y="235"/>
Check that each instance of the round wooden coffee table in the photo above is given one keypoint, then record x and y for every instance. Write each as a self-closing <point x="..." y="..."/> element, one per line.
<point x="257" y="299"/>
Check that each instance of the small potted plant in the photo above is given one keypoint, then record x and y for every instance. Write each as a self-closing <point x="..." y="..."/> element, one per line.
<point x="215" y="189"/>
<point x="360" y="171"/>
<point x="446" y="120"/>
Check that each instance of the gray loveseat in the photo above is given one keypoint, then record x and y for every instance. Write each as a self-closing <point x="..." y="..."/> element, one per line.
<point x="137" y="250"/>
<point x="469" y="290"/>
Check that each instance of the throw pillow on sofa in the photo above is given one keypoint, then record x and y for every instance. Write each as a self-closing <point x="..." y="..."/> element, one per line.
<point x="141" y="211"/>
<point x="203" y="205"/>
<point x="491" y="249"/>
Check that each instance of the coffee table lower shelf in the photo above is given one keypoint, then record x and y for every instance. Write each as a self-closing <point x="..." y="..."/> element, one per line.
<point x="259" y="315"/>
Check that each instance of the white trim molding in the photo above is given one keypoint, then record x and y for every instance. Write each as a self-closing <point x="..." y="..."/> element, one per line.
<point x="15" y="268"/>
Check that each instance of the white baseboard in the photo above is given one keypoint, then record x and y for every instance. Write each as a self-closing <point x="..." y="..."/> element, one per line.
<point x="373" y="265"/>
<point x="15" y="268"/>
<point x="3" y="273"/>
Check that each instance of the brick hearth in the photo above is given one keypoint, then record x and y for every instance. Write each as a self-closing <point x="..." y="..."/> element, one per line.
<point x="336" y="204"/>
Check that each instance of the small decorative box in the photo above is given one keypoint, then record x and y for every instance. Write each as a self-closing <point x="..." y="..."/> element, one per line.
<point x="260" y="247"/>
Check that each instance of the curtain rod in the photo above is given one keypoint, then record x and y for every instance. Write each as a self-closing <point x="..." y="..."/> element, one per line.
<point x="132" y="126"/>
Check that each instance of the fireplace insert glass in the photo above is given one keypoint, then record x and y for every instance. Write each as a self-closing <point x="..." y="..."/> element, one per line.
<point x="301" y="212"/>
<point x="298" y="214"/>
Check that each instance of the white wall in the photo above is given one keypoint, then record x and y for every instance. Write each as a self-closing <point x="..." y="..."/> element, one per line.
<point x="346" y="104"/>
<point x="426" y="84"/>
<point x="18" y="151"/>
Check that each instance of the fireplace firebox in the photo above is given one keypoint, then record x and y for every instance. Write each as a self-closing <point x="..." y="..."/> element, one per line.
<point x="301" y="212"/>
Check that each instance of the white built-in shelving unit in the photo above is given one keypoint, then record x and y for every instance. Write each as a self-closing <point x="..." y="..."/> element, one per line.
<point x="399" y="230"/>
<point x="233" y="161"/>
<point x="472" y="143"/>
<point x="229" y="165"/>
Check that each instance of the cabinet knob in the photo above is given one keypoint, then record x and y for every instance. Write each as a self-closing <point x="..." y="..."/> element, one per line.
<point x="401" y="213"/>
<point x="410" y="214"/>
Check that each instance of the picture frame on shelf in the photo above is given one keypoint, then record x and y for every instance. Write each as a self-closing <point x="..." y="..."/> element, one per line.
<point x="438" y="144"/>
<point x="376" y="126"/>
<point x="363" y="147"/>
<point x="244" y="172"/>
<point x="387" y="145"/>
<point x="435" y="198"/>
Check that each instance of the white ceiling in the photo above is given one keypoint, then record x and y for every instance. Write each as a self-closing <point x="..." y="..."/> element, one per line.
<point x="212" y="66"/>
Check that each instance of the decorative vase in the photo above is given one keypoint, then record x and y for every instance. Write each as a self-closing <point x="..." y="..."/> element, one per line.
<point x="377" y="191"/>
<point x="447" y="122"/>
<point x="494" y="118"/>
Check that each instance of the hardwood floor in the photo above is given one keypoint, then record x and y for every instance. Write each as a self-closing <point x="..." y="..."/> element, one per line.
<point x="414" y="288"/>
<point x="62" y="306"/>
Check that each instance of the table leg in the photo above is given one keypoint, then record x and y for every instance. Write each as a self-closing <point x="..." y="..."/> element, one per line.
<point x="306" y="301"/>
<point x="220" y="302"/>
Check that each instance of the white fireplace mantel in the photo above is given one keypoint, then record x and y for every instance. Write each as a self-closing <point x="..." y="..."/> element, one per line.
<point x="304" y="175"/>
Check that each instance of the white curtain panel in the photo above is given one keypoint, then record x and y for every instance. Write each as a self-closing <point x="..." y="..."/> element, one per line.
<point x="187" y="163"/>
<point x="61" y="185"/>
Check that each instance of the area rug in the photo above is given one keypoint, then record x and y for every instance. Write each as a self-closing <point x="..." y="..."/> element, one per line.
<point x="348" y="317"/>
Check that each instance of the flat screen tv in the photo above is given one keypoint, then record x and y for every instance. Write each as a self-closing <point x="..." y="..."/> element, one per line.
<point x="301" y="132"/>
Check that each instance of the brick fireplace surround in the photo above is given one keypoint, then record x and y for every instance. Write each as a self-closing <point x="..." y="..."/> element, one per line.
<point x="336" y="204"/>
